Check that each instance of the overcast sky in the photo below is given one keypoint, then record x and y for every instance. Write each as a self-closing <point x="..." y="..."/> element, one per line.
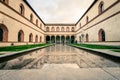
<point x="60" y="11"/>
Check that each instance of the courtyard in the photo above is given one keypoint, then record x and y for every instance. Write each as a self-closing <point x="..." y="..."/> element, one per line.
<point x="60" y="62"/>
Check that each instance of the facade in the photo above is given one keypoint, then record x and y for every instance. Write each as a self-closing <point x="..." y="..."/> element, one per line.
<point x="100" y="23"/>
<point x="60" y="33"/>
<point x="20" y="25"/>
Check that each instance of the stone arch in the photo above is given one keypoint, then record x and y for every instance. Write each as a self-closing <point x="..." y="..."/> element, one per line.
<point x="31" y="17"/>
<point x="31" y="37"/>
<point x="22" y="9"/>
<point x="62" y="29"/>
<point x="21" y="36"/>
<point x="72" y="39"/>
<point x="58" y="39"/>
<point x="40" y="38"/>
<point x="36" y="22"/>
<point x="101" y="35"/>
<point x="53" y="39"/>
<point x="72" y="29"/>
<point x="3" y="33"/>
<point x="101" y="7"/>
<point x="53" y="29"/>
<point x="6" y="1"/>
<point x="47" y="39"/>
<point x="36" y="38"/>
<point x="47" y="29"/>
<point x="67" y="39"/>
<point x="87" y="19"/>
<point x="67" y="29"/>
<point x="57" y="29"/>
<point x="62" y="39"/>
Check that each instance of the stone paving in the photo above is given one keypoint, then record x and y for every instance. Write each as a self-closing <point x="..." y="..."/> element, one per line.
<point x="62" y="63"/>
<point x="61" y="73"/>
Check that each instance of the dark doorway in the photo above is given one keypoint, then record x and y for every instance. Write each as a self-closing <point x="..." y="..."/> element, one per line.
<point x="102" y="35"/>
<point x="47" y="39"/>
<point x="1" y="34"/>
<point x="72" y="39"/>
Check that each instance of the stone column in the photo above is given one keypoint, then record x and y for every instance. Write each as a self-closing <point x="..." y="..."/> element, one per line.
<point x="60" y="39"/>
<point x="50" y="38"/>
<point x="55" y="39"/>
<point x="65" y="38"/>
<point x="69" y="39"/>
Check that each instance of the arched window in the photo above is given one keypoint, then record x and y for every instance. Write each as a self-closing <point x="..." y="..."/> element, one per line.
<point x="101" y="7"/>
<point x="62" y="29"/>
<point x="41" y="25"/>
<point x="40" y="39"/>
<point x="47" y="29"/>
<point x="20" y="36"/>
<point x="72" y="29"/>
<point x="5" y="1"/>
<point x="22" y="9"/>
<point x="87" y="19"/>
<point x="36" y="22"/>
<point x="80" y="25"/>
<point x="87" y="38"/>
<point x="101" y="35"/>
<point x="53" y="29"/>
<point x="3" y="33"/>
<point x="36" y="38"/>
<point x="67" y="29"/>
<point x="31" y="37"/>
<point x="31" y="18"/>
<point x="57" y="29"/>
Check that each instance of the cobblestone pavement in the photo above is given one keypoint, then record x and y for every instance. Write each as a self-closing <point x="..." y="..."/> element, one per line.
<point x="60" y="62"/>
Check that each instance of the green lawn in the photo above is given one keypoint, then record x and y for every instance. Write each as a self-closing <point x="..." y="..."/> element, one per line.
<point x="92" y="46"/>
<point x="118" y="50"/>
<point x="19" y="48"/>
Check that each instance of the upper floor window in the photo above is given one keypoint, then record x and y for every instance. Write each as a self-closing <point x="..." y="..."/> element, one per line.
<point x="31" y="18"/>
<point x="87" y="19"/>
<point x="22" y="9"/>
<point x="47" y="29"/>
<point x="5" y="1"/>
<point x="62" y="29"/>
<point x="58" y="29"/>
<point x="36" y="22"/>
<point x="53" y="29"/>
<point x="101" y="7"/>
<point x="40" y="25"/>
<point x="67" y="29"/>
<point x="80" y="25"/>
<point x="72" y="29"/>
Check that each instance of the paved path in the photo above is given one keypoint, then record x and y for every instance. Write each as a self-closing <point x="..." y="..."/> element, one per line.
<point x="62" y="74"/>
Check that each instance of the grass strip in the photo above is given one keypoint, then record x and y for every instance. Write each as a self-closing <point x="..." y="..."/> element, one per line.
<point x="19" y="48"/>
<point x="93" y="46"/>
<point x="118" y="50"/>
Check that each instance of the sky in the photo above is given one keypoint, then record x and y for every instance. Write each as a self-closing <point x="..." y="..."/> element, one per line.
<point x="60" y="11"/>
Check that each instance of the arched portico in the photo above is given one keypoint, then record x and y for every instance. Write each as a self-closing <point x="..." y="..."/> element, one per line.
<point x="3" y="33"/>
<point x="101" y="35"/>
<point x="60" y="39"/>
<point x="72" y="39"/>
<point x="52" y="39"/>
<point x="47" y="39"/>
<point x="57" y="39"/>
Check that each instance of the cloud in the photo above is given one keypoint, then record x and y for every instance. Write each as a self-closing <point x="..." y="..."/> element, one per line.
<point x="60" y="11"/>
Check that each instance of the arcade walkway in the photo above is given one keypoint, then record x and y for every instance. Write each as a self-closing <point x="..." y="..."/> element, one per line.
<point x="61" y="62"/>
